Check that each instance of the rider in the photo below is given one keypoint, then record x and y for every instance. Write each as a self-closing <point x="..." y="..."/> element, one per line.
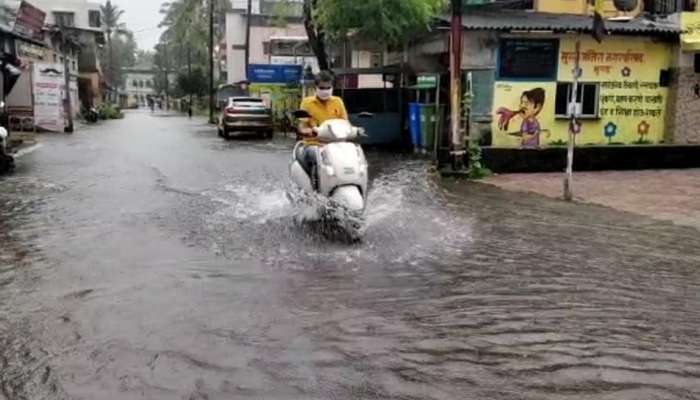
<point x="321" y="107"/>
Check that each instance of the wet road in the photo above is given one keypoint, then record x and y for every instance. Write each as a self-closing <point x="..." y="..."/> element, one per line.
<point x="149" y="259"/>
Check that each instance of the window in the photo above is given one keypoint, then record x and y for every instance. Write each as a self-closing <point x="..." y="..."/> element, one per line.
<point x="376" y="59"/>
<point x="64" y="18"/>
<point x="669" y="6"/>
<point x="586" y="99"/>
<point x="95" y="18"/>
<point x="534" y="59"/>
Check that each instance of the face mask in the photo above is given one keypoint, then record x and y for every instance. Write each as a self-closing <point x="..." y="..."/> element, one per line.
<point x="324" y="94"/>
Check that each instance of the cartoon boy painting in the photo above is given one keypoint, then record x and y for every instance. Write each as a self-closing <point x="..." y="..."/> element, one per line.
<point x="531" y="103"/>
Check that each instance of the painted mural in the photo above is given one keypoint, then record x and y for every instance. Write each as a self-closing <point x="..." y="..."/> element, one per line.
<point x="624" y="74"/>
<point x="531" y="104"/>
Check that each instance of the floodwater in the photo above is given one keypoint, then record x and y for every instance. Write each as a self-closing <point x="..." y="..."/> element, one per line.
<point x="149" y="259"/>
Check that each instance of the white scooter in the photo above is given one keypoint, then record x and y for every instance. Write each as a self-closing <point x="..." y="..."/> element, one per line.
<point x="342" y="177"/>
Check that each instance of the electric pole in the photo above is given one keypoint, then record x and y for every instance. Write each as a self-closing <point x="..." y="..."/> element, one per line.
<point x="457" y="149"/>
<point x="167" y="81"/>
<point x="66" y="73"/>
<point x="247" y="37"/>
<point x="211" y="61"/>
<point x="189" y="78"/>
<point x="573" y="127"/>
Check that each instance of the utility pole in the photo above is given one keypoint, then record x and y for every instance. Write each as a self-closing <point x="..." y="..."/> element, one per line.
<point x="211" y="61"/>
<point x="247" y="37"/>
<point x="167" y="81"/>
<point x="189" y="78"/>
<point x="66" y="73"/>
<point x="457" y="149"/>
<point x="573" y="127"/>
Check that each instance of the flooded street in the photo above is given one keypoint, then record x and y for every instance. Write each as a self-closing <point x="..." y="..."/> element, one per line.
<point x="149" y="259"/>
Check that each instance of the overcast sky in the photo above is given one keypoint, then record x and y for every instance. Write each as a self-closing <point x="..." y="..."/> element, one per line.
<point x="142" y="18"/>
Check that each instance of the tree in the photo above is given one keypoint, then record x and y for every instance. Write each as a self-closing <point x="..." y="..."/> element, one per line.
<point x="316" y="33"/>
<point x="124" y="55"/>
<point x="144" y="57"/>
<point x="111" y="16"/>
<point x="381" y="21"/>
<point x="194" y="83"/>
<point x="185" y="41"/>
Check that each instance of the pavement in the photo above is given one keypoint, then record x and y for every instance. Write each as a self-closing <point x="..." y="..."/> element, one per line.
<point x="146" y="258"/>
<point x="669" y="195"/>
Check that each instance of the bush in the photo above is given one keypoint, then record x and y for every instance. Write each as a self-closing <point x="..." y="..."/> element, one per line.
<point x="109" y="111"/>
<point x="477" y="169"/>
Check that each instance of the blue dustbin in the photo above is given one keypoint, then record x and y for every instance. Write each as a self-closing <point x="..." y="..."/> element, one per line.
<point x="414" y="125"/>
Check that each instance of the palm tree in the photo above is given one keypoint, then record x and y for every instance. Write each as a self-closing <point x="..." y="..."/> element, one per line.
<point x="111" y="15"/>
<point x="187" y="26"/>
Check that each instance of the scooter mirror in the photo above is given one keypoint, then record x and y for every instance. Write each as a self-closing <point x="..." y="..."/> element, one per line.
<point x="301" y="114"/>
<point x="366" y="114"/>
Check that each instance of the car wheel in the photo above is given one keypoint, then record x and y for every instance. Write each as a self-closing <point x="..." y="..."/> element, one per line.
<point x="269" y="134"/>
<point x="226" y="134"/>
<point x="219" y="132"/>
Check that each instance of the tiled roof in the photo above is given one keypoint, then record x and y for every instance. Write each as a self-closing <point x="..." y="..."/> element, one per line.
<point x="535" y="21"/>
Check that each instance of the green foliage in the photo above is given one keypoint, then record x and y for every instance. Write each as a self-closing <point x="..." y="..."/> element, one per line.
<point x="558" y="142"/>
<point x="282" y="10"/>
<point x="476" y="169"/>
<point x="143" y="57"/>
<point x="121" y="46"/>
<point x="109" y="111"/>
<point x="184" y="43"/>
<point x="111" y="16"/>
<point x="196" y="84"/>
<point x="384" y="21"/>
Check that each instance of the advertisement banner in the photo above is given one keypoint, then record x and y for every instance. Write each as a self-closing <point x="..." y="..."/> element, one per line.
<point x="48" y="104"/>
<point x="30" y="21"/>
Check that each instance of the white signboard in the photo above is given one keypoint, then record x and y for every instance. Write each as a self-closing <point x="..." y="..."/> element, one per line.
<point x="48" y="103"/>
<point x="296" y="60"/>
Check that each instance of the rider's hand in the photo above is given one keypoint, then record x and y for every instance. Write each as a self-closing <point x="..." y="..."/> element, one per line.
<point x="306" y="131"/>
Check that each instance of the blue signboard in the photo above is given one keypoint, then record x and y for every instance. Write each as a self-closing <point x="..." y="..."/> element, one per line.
<point x="264" y="73"/>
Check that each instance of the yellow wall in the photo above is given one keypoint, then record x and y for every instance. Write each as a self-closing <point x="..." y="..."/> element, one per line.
<point x="579" y="7"/>
<point x="629" y="100"/>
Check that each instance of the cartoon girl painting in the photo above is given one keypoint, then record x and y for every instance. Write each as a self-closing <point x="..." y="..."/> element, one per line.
<point x="531" y="103"/>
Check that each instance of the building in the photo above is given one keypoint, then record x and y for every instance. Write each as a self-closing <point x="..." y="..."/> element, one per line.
<point x="263" y="29"/>
<point x="637" y="87"/>
<point x="273" y="42"/>
<point x="82" y="20"/>
<point x="139" y="85"/>
<point x="63" y="37"/>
